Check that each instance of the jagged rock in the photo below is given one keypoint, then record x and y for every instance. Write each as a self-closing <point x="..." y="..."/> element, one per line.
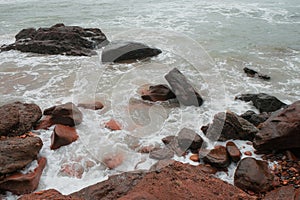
<point x="17" y="152"/>
<point x="66" y="114"/>
<point x="19" y="183"/>
<point x="44" y="123"/>
<point x="263" y="102"/>
<point x="228" y="126"/>
<point x="158" y="93"/>
<point x="184" y="91"/>
<point x="217" y="157"/>
<point x="233" y="151"/>
<point x="18" y="118"/>
<point x="189" y="139"/>
<point x="254" y="118"/>
<point x="124" y="51"/>
<point x="280" y="131"/>
<point x="59" y="39"/>
<point x="253" y="175"/>
<point x="253" y="73"/>
<point x="62" y="136"/>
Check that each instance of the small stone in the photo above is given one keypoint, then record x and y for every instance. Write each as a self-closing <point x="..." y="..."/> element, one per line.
<point x="195" y="158"/>
<point x="285" y="182"/>
<point x="248" y="153"/>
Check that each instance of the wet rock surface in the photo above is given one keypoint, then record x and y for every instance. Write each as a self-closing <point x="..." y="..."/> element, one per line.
<point x="113" y="125"/>
<point x="217" y="157"/>
<point x="62" y="136"/>
<point x="184" y="91"/>
<point x="254" y="118"/>
<point x="50" y="194"/>
<point x="125" y="51"/>
<point x="228" y="126"/>
<point x="66" y="114"/>
<point x="280" y="131"/>
<point x="59" y="39"/>
<point x="45" y="123"/>
<point x="233" y="151"/>
<point x="97" y="105"/>
<point x="189" y="139"/>
<point x="19" y="183"/>
<point x="263" y="102"/>
<point x="18" y="118"/>
<point x="158" y="93"/>
<point x="253" y="175"/>
<point x="17" y="152"/>
<point x="161" y="154"/>
<point x="253" y="73"/>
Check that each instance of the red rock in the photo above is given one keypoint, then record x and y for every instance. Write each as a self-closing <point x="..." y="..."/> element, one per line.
<point x="280" y="131"/>
<point x="248" y="153"/>
<point x="253" y="175"/>
<point x="195" y="158"/>
<point x="47" y="195"/>
<point x="66" y="114"/>
<point x="282" y="193"/>
<point x="63" y="135"/>
<point x="233" y="151"/>
<point x="158" y="93"/>
<point x="45" y="123"/>
<point x="207" y="169"/>
<point x="217" y="157"/>
<point x="113" y="125"/>
<point x="112" y="161"/>
<point x="72" y="170"/>
<point x="17" y="152"/>
<point x="18" y="183"/>
<point x="97" y="105"/>
<point x="138" y="195"/>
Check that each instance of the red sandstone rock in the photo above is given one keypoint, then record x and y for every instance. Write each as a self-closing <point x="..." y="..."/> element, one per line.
<point x="283" y="193"/>
<point x="195" y="158"/>
<point x="62" y="135"/>
<point x="97" y="105"/>
<point x="47" y="195"/>
<point x="44" y="123"/>
<point x="19" y="183"/>
<point x="233" y="151"/>
<point x="113" y="125"/>
<point x="113" y="161"/>
<point x="248" y="153"/>
<point x="217" y="157"/>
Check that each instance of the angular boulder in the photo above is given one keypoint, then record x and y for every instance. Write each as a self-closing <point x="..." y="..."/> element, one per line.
<point x="158" y="93"/>
<point x="19" y="183"/>
<point x="45" y="123"/>
<point x="184" y="91"/>
<point x="66" y="114"/>
<point x="233" y="151"/>
<point x="280" y="131"/>
<point x="17" y="152"/>
<point x="124" y="51"/>
<point x="217" y="157"/>
<point x="254" y="118"/>
<point x="62" y="136"/>
<point x="18" y="118"/>
<point x="228" y="126"/>
<point x="189" y="139"/>
<point x="59" y="39"/>
<point x="263" y="102"/>
<point x="253" y="175"/>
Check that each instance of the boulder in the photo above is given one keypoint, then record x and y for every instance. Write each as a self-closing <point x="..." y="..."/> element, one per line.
<point x="189" y="139"/>
<point x="125" y="51"/>
<point x="17" y="152"/>
<point x="45" y="123"/>
<point x="47" y="194"/>
<point x="19" y="183"/>
<point x="280" y="131"/>
<point x="283" y="193"/>
<point x="162" y="154"/>
<point x="113" y="125"/>
<point x="62" y="136"/>
<point x="253" y="73"/>
<point x="254" y="118"/>
<point x="253" y="175"/>
<point x="217" y="157"/>
<point x="233" y="151"/>
<point x="263" y="102"/>
<point x="158" y="93"/>
<point x="228" y="126"/>
<point x="97" y="105"/>
<point x="18" y="118"/>
<point x="66" y="114"/>
<point x="184" y="91"/>
<point x="59" y="39"/>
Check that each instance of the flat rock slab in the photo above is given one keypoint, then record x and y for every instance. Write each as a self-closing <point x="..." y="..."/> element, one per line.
<point x="184" y="91"/>
<point x="59" y="39"/>
<point x="18" y="118"/>
<point x="125" y="51"/>
<point x="16" y="153"/>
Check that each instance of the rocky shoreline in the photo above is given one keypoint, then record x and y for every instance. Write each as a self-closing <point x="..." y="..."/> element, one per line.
<point x="274" y="133"/>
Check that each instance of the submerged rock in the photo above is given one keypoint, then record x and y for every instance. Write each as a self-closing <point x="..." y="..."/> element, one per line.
<point x="253" y="175"/>
<point x="97" y="105"/>
<point x="253" y="73"/>
<point x="280" y="131"/>
<point x="18" y="118"/>
<point x="113" y="125"/>
<point x="263" y="102"/>
<point x="158" y="93"/>
<point x="62" y="136"/>
<point x="66" y="114"/>
<point x="124" y="51"/>
<point x="59" y="39"/>
<point x="254" y="118"/>
<point x="17" y="152"/>
<point x="19" y="183"/>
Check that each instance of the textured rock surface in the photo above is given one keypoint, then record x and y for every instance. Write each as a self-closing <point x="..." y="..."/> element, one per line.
<point x="124" y="51"/>
<point x="280" y="131"/>
<point x="283" y="193"/>
<point x="254" y="118"/>
<point x="263" y="102"/>
<point x="253" y="73"/>
<point x="66" y="114"/>
<point x="158" y="93"/>
<point x="189" y="139"/>
<point x="59" y="39"/>
<point x="18" y="118"/>
<point x="16" y="153"/>
<point x="233" y="151"/>
<point x="253" y="175"/>
<point x="47" y="195"/>
<point x="62" y="136"/>
<point x="217" y="157"/>
<point x="19" y="183"/>
<point x="184" y="91"/>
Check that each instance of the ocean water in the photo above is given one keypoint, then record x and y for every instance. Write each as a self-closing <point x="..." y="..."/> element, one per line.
<point x="209" y="41"/>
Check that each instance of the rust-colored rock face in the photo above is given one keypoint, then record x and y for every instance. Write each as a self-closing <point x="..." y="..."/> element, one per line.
<point x="217" y="157"/>
<point x="47" y="195"/>
<point x="233" y="151"/>
<point x="113" y="125"/>
<point x="62" y="136"/>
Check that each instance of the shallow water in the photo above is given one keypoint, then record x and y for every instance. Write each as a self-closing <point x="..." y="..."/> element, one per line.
<point x="209" y="41"/>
